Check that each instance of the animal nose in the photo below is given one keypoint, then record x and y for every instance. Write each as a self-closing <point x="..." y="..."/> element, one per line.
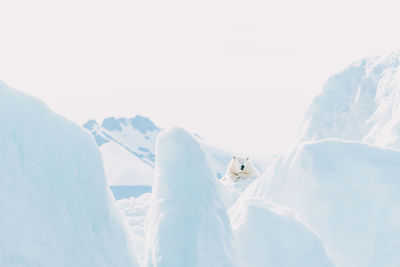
<point x="242" y="167"/>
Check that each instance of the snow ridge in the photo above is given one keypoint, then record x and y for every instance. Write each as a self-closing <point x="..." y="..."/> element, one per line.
<point x="55" y="206"/>
<point x="359" y="103"/>
<point x="187" y="224"/>
<point x="347" y="192"/>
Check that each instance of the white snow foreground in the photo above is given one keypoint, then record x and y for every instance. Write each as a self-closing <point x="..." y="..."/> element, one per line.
<point x="55" y="207"/>
<point x="187" y="224"/>
<point x="348" y="192"/>
<point x="269" y="235"/>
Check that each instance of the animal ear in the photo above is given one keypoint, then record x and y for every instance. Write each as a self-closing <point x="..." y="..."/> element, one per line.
<point x="233" y="157"/>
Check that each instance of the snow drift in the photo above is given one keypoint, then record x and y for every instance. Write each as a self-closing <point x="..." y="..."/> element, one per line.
<point x="55" y="207"/>
<point x="270" y="235"/>
<point x="348" y="192"/>
<point x="187" y="224"/>
<point x="360" y="103"/>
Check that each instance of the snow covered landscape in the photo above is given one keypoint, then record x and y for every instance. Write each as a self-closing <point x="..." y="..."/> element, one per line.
<point x="332" y="200"/>
<point x="211" y="133"/>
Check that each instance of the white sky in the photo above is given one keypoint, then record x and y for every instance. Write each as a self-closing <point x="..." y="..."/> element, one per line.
<point x="240" y="73"/>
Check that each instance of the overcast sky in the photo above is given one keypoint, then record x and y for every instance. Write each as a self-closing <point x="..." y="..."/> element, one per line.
<point x="239" y="73"/>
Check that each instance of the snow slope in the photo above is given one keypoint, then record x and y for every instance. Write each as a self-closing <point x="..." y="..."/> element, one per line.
<point x="269" y="235"/>
<point x="360" y="103"/>
<point x="348" y="192"/>
<point x="55" y="207"/>
<point x="187" y="224"/>
<point x="124" y="168"/>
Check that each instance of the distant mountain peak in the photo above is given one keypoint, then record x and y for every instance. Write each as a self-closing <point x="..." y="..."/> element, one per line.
<point x="140" y="123"/>
<point x="143" y="124"/>
<point x="137" y="135"/>
<point x="111" y="124"/>
<point x="90" y="124"/>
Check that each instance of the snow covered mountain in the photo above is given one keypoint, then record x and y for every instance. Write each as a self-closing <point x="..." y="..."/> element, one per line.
<point x="137" y="135"/>
<point x="127" y="146"/>
<point x="360" y="103"/>
<point x="55" y="206"/>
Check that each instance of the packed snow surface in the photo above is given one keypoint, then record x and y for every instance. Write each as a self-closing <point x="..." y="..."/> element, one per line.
<point x="270" y="235"/>
<point x="55" y="207"/>
<point x="347" y="192"/>
<point x="360" y="103"/>
<point x="187" y="224"/>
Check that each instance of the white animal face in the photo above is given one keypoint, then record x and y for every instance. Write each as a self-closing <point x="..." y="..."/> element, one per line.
<point x="240" y="164"/>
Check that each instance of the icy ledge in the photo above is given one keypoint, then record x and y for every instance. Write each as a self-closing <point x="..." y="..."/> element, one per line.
<point x="270" y="235"/>
<point x="348" y="192"/>
<point x="55" y="207"/>
<point x="187" y="224"/>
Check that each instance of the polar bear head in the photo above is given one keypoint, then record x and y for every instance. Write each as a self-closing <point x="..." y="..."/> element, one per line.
<point x="239" y="165"/>
<point x="240" y="168"/>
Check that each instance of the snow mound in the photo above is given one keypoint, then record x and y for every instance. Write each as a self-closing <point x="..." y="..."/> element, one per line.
<point x="348" y="192"/>
<point x="187" y="224"/>
<point x="269" y="235"/>
<point x="231" y="191"/>
<point x="55" y="207"/>
<point x="360" y="103"/>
